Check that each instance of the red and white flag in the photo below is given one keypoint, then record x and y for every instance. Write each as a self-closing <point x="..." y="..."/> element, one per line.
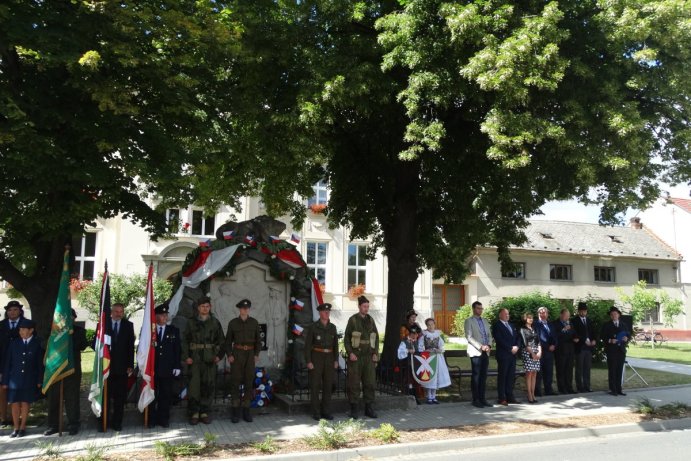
<point x="146" y="351"/>
<point x="291" y="257"/>
<point x="295" y="238"/>
<point x="316" y="298"/>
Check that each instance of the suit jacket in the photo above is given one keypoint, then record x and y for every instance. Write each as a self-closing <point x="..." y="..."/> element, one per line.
<point x="609" y="331"/>
<point x="23" y="366"/>
<point x="564" y="336"/>
<point x="168" y="356"/>
<point x="121" y="347"/>
<point x="582" y="332"/>
<point x="79" y="343"/>
<point x="474" y="335"/>
<point x="546" y="334"/>
<point x="504" y="339"/>
<point x="6" y="335"/>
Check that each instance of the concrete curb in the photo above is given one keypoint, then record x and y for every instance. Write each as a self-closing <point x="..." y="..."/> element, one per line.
<point x="438" y="446"/>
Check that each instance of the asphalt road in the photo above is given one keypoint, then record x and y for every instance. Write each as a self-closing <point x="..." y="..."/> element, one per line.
<point x="666" y="446"/>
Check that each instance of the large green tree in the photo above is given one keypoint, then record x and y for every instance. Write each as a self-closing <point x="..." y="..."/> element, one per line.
<point x="104" y="106"/>
<point x="444" y="125"/>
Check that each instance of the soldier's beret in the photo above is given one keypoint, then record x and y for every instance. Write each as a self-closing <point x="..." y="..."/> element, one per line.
<point x="26" y="323"/>
<point x="244" y="303"/>
<point x="362" y="300"/>
<point x="14" y="303"/>
<point x="324" y="307"/>
<point x="162" y="308"/>
<point x="203" y="300"/>
<point x="582" y="306"/>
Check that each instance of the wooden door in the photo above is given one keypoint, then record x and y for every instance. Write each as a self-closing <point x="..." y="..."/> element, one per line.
<point x="446" y="300"/>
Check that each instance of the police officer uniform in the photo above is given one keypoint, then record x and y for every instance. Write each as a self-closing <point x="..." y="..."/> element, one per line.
<point x="321" y="349"/>
<point x="243" y="344"/>
<point x="203" y="342"/>
<point x="362" y="340"/>
<point x="166" y="367"/>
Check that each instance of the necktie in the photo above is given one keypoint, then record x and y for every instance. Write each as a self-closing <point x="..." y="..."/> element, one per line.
<point x="616" y="324"/>
<point x="13" y="324"/>
<point x="115" y="328"/>
<point x="483" y="331"/>
<point x="506" y="324"/>
<point x="160" y="333"/>
<point x="546" y="325"/>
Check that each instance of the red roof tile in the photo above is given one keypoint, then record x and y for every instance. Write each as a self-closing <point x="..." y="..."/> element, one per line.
<point x="683" y="203"/>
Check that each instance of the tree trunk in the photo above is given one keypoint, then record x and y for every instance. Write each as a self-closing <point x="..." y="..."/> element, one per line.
<point x="400" y="242"/>
<point x="41" y="288"/>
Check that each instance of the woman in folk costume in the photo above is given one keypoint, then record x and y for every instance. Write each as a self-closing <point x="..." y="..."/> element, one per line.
<point x="408" y="347"/>
<point x="410" y="320"/>
<point x="432" y="342"/>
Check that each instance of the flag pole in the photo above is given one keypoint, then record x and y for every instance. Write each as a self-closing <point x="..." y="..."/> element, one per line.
<point x="146" y="417"/>
<point x="104" y="413"/>
<point x="60" y="406"/>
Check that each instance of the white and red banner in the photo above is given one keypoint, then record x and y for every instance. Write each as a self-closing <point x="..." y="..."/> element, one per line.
<point x="317" y="298"/>
<point x="146" y="350"/>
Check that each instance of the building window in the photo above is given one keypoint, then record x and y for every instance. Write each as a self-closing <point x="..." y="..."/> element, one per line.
<point x="316" y="260"/>
<point x="649" y="275"/>
<point x="357" y="264"/>
<point x="559" y="272"/>
<point x="604" y="274"/>
<point x="84" y="248"/>
<point x="320" y="196"/>
<point x="190" y="221"/>
<point x="518" y="272"/>
<point x="653" y="314"/>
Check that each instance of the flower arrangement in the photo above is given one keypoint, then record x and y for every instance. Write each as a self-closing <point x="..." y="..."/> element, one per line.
<point x="317" y="208"/>
<point x="263" y="388"/>
<point x="185" y="228"/>
<point x="356" y="290"/>
<point x="77" y="285"/>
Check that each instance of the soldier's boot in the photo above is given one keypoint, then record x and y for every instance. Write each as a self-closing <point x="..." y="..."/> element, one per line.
<point x="246" y="415"/>
<point x="369" y="411"/>
<point x="235" y="415"/>
<point x="353" y="411"/>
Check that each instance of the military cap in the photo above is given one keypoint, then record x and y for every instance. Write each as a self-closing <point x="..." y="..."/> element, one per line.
<point x="26" y="323"/>
<point x="362" y="300"/>
<point x="244" y="303"/>
<point x="203" y="300"/>
<point x="14" y="303"/>
<point x="582" y="306"/>
<point x="162" y="308"/>
<point x="324" y="307"/>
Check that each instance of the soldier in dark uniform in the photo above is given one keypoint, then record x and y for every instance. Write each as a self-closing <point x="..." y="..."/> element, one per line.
<point x="71" y="387"/>
<point x="362" y="346"/>
<point x="166" y="366"/>
<point x="615" y="334"/>
<point x="321" y="349"/>
<point x="243" y="344"/>
<point x="202" y="349"/>
<point x="8" y="330"/>
<point x="22" y="375"/>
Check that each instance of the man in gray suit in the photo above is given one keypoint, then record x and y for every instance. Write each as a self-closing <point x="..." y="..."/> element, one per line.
<point x="477" y="332"/>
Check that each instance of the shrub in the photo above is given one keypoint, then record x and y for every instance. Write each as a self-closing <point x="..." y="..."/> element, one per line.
<point x="268" y="445"/>
<point x="528" y="302"/>
<point x="386" y="433"/>
<point x="332" y="436"/>
<point x="462" y="314"/>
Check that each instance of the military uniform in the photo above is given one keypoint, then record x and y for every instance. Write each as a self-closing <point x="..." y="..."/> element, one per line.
<point x="362" y="339"/>
<point x="203" y="341"/>
<point x="321" y="349"/>
<point x="166" y="367"/>
<point x="243" y="343"/>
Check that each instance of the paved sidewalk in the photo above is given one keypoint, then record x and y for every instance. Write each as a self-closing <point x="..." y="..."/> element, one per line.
<point x="660" y="366"/>
<point x="281" y="426"/>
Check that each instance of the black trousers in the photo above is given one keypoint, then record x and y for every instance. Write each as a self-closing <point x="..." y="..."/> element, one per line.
<point x="478" y="380"/>
<point x="546" y="373"/>
<point x="164" y="397"/>
<point x="616" y="356"/>
<point x="70" y="396"/>
<point x="565" y="359"/>
<point x="506" y="375"/>
<point x="584" y="360"/>
<point x="117" y="395"/>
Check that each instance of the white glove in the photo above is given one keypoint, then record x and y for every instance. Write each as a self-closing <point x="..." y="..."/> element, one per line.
<point x="176" y="372"/>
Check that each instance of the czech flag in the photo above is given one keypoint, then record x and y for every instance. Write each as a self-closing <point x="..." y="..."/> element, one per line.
<point x="295" y="238"/>
<point x="297" y="305"/>
<point x="297" y="329"/>
<point x="227" y="235"/>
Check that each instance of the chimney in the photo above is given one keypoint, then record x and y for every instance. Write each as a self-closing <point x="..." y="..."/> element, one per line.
<point x="636" y="223"/>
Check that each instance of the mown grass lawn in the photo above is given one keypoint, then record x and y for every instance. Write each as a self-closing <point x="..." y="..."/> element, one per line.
<point x="668" y="352"/>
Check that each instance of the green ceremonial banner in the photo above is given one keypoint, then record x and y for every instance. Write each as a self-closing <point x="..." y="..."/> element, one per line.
<point x="59" y="353"/>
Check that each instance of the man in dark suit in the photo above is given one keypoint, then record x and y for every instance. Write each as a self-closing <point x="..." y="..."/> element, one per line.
<point x="167" y="365"/>
<point x="506" y="339"/>
<point x="564" y="353"/>
<point x="121" y="332"/>
<point x="71" y="387"/>
<point x="584" y="338"/>
<point x="9" y="329"/>
<point x="615" y="334"/>
<point x="548" y="341"/>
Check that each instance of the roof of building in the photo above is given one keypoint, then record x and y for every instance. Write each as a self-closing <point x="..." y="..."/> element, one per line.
<point x="683" y="203"/>
<point x="593" y="239"/>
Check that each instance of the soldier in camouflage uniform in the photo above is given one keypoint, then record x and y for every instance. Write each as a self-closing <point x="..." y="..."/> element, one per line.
<point x="321" y="349"/>
<point x="243" y="344"/>
<point x="202" y="349"/>
<point x="362" y="346"/>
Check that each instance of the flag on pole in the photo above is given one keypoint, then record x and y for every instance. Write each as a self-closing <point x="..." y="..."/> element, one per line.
<point x="227" y="235"/>
<point x="146" y="351"/>
<point x="101" y="349"/>
<point x="59" y="358"/>
<point x="295" y="238"/>
<point x="297" y="305"/>
<point x="297" y="329"/>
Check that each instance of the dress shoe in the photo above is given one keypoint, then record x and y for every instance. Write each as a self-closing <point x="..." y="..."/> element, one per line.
<point x="21" y="433"/>
<point x="612" y="393"/>
<point x="621" y="393"/>
<point x="514" y="401"/>
<point x="327" y="416"/>
<point x="369" y="411"/>
<point x="73" y="431"/>
<point x="353" y="411"/>
<point x="485" y="403"/>
<point x="430" y="402"/>
<point x="50" y="431"/>
<point x="589" y="390"/>
<point x="435" y="401"/>
<point x="503" y="402"/>
<point x="117" y="428"/>
<point x="532" y="401"/>
<point x="478" y="404"/>
<point x="246" y="415"/>
<point x="14" y="433"/>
